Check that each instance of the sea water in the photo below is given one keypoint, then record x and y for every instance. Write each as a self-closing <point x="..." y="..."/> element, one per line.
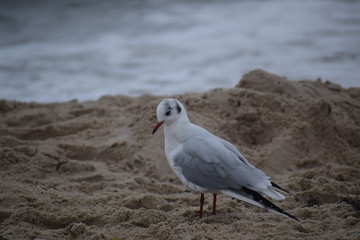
<point x="54" y="51"/>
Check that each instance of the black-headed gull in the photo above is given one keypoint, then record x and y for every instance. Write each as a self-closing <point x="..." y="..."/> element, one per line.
<point x="207" y="163"/>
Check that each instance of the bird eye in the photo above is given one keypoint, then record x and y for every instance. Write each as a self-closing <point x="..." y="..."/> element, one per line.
<point x="168" y="112"/>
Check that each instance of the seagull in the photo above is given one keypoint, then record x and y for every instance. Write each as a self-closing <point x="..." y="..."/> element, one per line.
<point x="206" y="163"/>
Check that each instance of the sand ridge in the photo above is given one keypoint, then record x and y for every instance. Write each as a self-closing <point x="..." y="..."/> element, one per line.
<point x="92" y="170"/>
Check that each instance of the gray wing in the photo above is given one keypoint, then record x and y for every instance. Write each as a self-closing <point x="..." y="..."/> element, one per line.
<point x="215" y="164"/>
<point x="204" y="174"/>
<point x="233" y="149"/>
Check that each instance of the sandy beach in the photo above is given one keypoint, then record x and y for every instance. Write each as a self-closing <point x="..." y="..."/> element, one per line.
<point x="93" y="170"/>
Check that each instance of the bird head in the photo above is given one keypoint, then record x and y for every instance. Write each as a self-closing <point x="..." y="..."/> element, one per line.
<point x="168" y="111"/>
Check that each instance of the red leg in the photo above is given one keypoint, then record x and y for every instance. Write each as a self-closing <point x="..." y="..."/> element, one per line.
<point x="202" y="199"/>
<point x="214" y="204"/>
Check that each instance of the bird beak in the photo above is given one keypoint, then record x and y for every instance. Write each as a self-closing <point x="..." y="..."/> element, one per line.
<point x="157" y="126"/>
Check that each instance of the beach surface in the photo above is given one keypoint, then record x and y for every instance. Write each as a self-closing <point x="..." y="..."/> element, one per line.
<point x="92" y="170"/>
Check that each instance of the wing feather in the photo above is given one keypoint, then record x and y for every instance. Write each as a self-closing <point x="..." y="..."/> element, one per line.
<point x="215" y="164"/>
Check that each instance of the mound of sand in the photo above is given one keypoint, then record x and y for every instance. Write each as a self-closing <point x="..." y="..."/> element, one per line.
<point x="92" y="170"/>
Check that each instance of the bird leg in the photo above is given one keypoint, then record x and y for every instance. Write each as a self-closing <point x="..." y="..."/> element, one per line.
<point x="214" y="204"/>
<point x="202" y="199"/>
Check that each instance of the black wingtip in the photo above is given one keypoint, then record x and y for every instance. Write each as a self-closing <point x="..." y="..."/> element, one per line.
<point x="293" y="217"/>
<point x="267" y="204"/>
<point x="280" y="188"/>
<point x="289" y="215"/>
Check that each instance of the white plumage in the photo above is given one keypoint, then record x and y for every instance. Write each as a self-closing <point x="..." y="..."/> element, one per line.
<point x="207" y="163"/>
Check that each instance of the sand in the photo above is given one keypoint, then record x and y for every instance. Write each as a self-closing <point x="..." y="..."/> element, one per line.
<point x="92" y="170"/>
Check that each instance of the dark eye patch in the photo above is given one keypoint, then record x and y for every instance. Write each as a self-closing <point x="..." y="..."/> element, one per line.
<point x="168" y="112"/>
<point x="178" y="108"/>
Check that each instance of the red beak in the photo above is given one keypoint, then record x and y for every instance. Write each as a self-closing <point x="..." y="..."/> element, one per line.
<point x="157" y="126"/>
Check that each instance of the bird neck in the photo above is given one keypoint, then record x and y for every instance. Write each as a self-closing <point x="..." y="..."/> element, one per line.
<point x="177" y="128"/>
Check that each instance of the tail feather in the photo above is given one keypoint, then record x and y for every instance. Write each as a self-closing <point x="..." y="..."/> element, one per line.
<point x="250" y="196"/>
<point x="272" y="193"/>
<point x="280" y="188"/>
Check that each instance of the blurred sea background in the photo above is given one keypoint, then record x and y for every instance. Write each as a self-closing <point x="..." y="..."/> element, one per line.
<point x="53" y="51"/>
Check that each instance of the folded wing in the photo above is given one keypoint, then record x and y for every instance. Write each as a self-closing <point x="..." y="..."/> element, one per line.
<point x="215" y="164"/>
